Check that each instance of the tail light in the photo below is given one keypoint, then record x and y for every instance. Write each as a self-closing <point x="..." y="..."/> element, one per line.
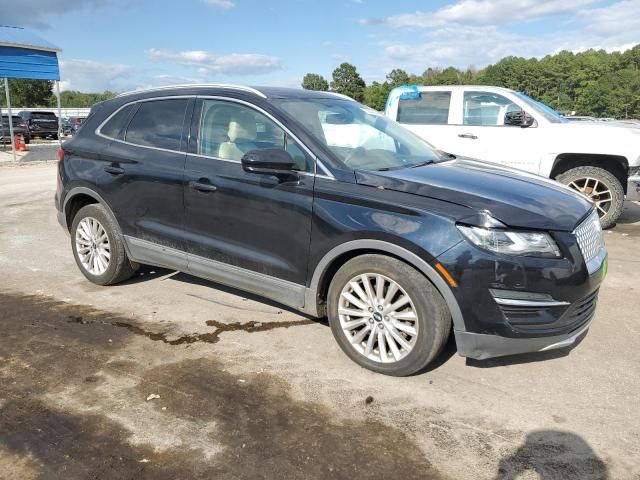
<point x="60" y="155"/>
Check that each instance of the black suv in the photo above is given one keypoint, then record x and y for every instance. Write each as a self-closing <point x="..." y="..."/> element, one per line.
<point x="325" y="205"/>
<point x="41" y="124"/>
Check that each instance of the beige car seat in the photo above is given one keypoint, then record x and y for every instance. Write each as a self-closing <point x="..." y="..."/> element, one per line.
<point x="242" y="134"/>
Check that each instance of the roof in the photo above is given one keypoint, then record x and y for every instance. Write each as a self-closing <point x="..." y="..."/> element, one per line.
<point x="19" y="37"/>
<point x="264" y="92"/>
<point x="23" y="54"/>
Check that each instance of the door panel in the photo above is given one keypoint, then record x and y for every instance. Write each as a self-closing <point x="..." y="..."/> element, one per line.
<point x="428" y="114"/>
<point x="144" y="188"/>
<point x="144" y="183"/>
<point x="252" y="221"/>
<point x="483" y="135"/>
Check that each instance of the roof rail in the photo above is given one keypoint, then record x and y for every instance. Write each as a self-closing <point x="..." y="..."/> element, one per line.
<point x="216" y="85"/>
<point x="341" y="95"/>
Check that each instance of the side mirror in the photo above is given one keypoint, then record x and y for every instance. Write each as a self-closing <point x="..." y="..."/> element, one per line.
<point x="519" y="119"/>
<point x="269" y="161"/>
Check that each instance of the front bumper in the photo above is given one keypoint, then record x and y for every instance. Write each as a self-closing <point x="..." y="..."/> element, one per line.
<point x="512" y="305"/>
<point x="633" y="187"/>
<point x="481" y="346"/>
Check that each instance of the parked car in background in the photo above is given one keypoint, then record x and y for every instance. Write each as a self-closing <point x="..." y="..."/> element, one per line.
<point x="74" y="124"/>
<point x="320" y="203"/>
<point x="19" y="127"/>
<point x="601" y="160"/>
<point x="41" y="123"/>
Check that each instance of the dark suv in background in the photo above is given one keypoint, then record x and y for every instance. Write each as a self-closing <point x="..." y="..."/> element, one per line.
<point x="41" y="124"/>
<point x="326" y="206"/>
<point x="19" y="128"/>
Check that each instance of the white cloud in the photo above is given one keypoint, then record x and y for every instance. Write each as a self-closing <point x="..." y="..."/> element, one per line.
<point x="483" y="12"/>
<point x="220" y="3"/>
<point x="206" y="63"/>
<point x="90" y="76"/>
<point x="472" y="32"/>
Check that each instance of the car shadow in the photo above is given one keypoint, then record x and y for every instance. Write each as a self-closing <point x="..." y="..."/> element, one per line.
<point x="147" y="273"/>
<point x="523" y="358"/>
<point x="553" y="454"/>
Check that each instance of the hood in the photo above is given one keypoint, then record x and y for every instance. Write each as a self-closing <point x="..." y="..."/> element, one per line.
<point x="516" y="198"/>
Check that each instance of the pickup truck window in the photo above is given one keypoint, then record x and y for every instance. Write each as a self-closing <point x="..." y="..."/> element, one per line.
<point x="485" y="108"/>
<point x="432" y="108"/>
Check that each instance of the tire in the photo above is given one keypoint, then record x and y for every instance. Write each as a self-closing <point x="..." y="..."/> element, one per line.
<point x="118" y="267"/>
<point x="583" y="179"/>
<point x="55" y="136"/>
<point x="432" y="319"/>
<point x="27" y="141"/>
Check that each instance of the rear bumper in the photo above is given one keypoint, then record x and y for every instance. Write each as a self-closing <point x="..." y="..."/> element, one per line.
<point x="633" y="187"/>
<point x="481" y="346"/>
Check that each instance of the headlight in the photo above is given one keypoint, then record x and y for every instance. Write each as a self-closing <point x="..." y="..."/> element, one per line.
<point x="531" y="244"/>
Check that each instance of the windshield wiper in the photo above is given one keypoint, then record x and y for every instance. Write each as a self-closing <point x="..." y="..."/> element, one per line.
<point x="422" y="164"/>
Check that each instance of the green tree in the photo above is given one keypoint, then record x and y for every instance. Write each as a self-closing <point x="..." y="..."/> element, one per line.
<point x="313" y="81"/>
<point x="347" y="80"/>
<point x="375" y="95"/>
<point x="28" y="93"/>
<point x="397" y="77"/>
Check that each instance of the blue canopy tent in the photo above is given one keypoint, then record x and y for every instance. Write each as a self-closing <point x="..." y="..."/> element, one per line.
<point x="23" y="54"/>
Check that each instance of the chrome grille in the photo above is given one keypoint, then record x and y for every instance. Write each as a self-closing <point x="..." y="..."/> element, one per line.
<point x="590" y="237"/>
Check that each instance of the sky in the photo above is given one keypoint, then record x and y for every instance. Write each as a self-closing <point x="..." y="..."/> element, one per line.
<point x="122" y="45"/>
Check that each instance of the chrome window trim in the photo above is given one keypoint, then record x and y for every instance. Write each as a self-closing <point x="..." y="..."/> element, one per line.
<point x="241" y="88"/>
<point x="317" y="163"/>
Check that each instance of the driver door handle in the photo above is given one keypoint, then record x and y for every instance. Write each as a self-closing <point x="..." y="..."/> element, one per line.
<point x="113" y="170"/>
<point x="203" y="187"/>
<point x="468" y="135"/>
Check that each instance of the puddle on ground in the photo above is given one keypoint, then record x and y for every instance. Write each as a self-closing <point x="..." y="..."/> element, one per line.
<point x="211" y="337"/>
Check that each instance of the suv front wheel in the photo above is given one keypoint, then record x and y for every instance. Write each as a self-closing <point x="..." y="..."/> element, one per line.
<point x="599" y="185"/>
<point x="386" y="316"/>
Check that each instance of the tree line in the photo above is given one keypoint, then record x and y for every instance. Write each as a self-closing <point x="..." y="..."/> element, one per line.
<point x="593" y="82"/>
<point x="39" y="93"/>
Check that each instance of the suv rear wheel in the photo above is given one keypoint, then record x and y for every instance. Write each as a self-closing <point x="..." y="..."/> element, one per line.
<point x="98" y="246"/>
<point x="599" y="185"/>
<point x="386" y="316"/>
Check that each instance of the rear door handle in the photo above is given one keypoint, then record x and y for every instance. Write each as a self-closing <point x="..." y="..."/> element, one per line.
<point x="114" y="170"/>
<point x="468" y="135"/>
<point x="203" y="187"/>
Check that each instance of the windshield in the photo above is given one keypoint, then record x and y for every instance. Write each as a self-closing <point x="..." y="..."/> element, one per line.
<point x="360" y="137"/>
<point x="546" y="111"/>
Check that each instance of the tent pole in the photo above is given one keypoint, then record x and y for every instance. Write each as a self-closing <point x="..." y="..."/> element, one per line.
<point x="59" y="113"/>
<point x="13" y="140"/>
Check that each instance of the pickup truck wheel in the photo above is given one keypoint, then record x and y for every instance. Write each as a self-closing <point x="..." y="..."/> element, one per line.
<point x="98" y="246"/>
<point x="386" y="316"/>
<point x="599" y="185"/>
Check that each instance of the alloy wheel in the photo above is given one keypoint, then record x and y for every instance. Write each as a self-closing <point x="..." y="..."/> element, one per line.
<point x="92" y="246"/>
<point x="596" y="190"/>
<point x="378" y="318"/>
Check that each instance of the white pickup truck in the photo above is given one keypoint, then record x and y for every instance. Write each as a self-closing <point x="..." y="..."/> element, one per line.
<point x="599" y="159"/>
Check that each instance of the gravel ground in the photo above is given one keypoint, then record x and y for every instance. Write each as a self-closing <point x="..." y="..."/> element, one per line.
<point x="168" y="376"/>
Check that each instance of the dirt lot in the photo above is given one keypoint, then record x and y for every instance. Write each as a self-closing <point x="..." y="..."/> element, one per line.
<point x="249" y="389"/>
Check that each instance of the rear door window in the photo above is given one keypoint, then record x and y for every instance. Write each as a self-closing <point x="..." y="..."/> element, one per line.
<point x="158" y="124"/>
<point x="116" y="125"/>
<point x="432" y="108"/>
